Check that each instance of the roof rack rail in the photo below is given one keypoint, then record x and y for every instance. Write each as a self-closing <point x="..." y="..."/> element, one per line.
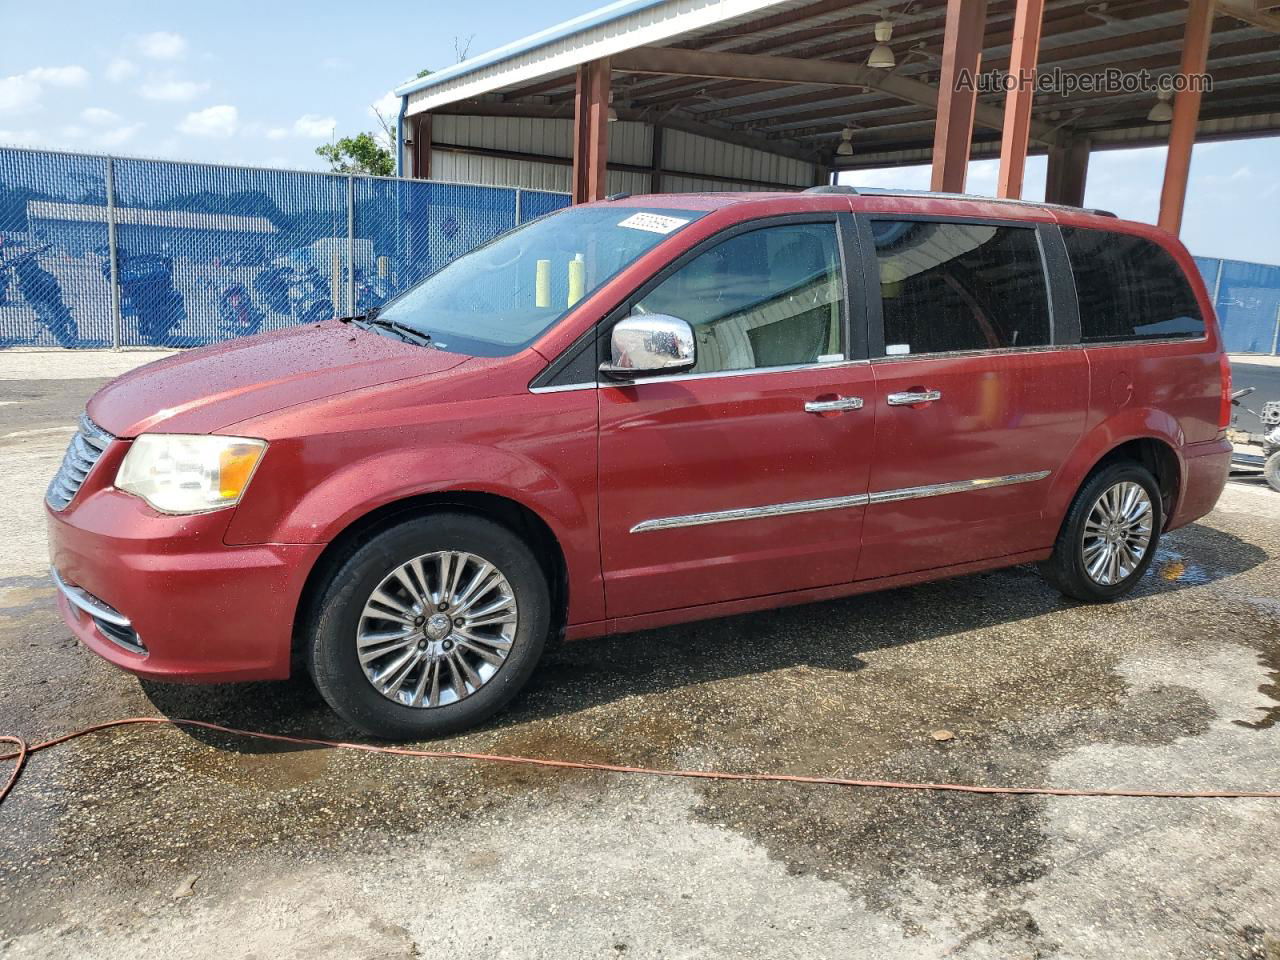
<point x="831" y="188"/>
<point x="890" y="192"/>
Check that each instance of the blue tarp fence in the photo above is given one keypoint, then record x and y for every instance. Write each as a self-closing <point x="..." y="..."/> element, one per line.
<point x="204" y="253"/>
<point x="1247" y="298"/>
<point x="99" y="251"/>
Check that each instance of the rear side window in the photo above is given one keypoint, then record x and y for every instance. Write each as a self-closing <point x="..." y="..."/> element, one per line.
<point x="960" y="286"/>
<point x="1129" y="289"/>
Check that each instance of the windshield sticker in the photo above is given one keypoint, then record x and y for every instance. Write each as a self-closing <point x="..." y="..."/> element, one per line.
<point x="653" y="222"/>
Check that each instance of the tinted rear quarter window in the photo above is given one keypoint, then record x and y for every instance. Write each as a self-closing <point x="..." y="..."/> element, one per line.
<point x="1129" y="289"/>
<point x="953" y="286"/>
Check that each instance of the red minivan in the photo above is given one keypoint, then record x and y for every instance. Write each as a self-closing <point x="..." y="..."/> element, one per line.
<point x="639" y="412"/>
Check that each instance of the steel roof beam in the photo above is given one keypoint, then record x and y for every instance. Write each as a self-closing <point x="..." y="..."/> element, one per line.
<point x="737" y="66"/>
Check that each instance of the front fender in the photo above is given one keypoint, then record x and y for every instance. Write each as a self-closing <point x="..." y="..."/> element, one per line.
<point x="1134" y="423"/>
<point x="304" y="493"/>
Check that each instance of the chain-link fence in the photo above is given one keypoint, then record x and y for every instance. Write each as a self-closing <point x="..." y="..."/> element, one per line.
<point x="99" y="251"/>
<point x="1247" y="299"/>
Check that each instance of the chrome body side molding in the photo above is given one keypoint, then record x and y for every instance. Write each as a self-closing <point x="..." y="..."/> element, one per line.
<point x="753" y="513"/>
<point x="959" y="486"/>
<point x="836" y="503"/>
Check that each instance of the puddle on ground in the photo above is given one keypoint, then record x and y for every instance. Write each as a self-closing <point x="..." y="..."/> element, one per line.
<point x="23" y="595"/>
<point x="1172" y="567"/>
<point x="1270" y="661"/>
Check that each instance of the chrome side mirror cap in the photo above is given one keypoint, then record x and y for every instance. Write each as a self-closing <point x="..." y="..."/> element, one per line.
<point x="649" y="344"/>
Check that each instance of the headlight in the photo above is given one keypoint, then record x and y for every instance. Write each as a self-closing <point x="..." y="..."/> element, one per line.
<point x="177" y="473"/>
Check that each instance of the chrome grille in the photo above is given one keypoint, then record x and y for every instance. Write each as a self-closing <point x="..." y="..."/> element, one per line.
<point x="82" y="453"/>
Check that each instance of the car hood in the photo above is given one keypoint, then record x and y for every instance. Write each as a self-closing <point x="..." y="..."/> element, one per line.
<point x="203" y="390"/>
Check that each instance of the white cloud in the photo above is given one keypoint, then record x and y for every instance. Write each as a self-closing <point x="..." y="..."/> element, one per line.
<point x="18" y="94"/>
<point x="162" y="45"/>
<point x="313" y="125"/>
<point x="388" y="106"/>
<point x="172" y="91"/>
<point x="121" y="69"/>
<point x="219" y="121"/>
<point x="70" y="76"/>
<point x="72" y="132"/>
<point x="118" y="135"/>
<point x="99" y="116"/>
<point x="22" y="138"/>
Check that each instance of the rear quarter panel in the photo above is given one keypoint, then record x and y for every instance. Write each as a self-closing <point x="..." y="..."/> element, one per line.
<point x="1170" y="391"/>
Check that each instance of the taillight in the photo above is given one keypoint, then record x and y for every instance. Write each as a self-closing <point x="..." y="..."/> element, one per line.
<point x="1224" y="415"/>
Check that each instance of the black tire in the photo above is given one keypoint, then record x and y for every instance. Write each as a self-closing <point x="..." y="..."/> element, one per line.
<point x="1066" y="568"/>
<point x="331" y="636"/>
<point x="1271" y="471"/>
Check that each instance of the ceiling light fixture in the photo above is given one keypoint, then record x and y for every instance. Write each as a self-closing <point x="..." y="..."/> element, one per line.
<point x="1161" y="111"/>
<point x="612" y="114"/>
<point x="846" y="142"/>
<point x="882" y="54"/>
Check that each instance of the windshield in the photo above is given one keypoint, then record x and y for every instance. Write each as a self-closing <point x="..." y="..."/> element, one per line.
<point x="499" y="298"/>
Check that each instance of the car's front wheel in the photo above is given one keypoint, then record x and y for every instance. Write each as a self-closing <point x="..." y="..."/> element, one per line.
<point x="430" y="627"/>
<point x="1109" y="536"/>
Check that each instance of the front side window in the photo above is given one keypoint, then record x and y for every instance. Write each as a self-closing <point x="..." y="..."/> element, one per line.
<point x="499" y="298"/>
<point x="771" y="297"/>
<point x="948" y="287"/>
<point x="1129" y="289"/>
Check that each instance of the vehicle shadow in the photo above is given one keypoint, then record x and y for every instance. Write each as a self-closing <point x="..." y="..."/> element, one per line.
<point x="833" y="635"/>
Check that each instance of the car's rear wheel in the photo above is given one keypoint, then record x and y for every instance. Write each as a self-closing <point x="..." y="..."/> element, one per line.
<point x="430" y="627"/>
<point x="1109" y="536"/>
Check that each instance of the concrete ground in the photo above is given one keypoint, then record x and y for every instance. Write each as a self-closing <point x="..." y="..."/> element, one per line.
<point x="161" y="843"/>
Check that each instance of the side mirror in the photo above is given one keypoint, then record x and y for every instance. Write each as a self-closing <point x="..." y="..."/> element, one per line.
<point x="648" y="344"/>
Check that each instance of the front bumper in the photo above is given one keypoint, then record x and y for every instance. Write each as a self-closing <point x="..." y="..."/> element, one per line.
<point x="163" y="597"/>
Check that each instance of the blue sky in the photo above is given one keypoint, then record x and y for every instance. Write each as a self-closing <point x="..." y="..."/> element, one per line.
<point x="263" y="82"/>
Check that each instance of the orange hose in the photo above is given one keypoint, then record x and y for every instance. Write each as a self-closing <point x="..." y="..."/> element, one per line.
<point x="24" y="751"/>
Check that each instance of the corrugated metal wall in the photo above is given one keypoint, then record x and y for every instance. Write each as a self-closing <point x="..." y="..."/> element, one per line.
<point x="696" y="163"/>
<point x="692" y="154"/>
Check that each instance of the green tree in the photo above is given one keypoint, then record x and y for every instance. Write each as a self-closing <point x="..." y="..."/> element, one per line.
<point x="365" y="152"/>
<point x="359" y="154"/>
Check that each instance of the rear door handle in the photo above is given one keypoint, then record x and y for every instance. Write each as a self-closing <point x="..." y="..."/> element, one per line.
<point x="912" y="397"/>
<point x="833" y="406"/>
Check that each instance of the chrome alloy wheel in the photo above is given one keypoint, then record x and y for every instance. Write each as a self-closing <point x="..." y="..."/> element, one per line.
<point x="1117" y="533"/>
<point x="437" y="629"/>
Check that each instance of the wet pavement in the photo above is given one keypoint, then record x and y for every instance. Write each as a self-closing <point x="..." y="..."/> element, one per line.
<point x="316" y="853"/>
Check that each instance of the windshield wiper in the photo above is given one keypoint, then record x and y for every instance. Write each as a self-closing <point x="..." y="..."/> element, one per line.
<point x="403" y="330"/>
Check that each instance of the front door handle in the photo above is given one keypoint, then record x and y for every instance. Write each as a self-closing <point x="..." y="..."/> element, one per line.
<point x="833" y="406"/>
<point x="912" y="397"/>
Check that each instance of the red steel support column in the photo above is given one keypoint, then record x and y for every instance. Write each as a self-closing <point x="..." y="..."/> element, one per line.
<point x="1068" y="167"/>
<point x="591" y="131"/>
<point x="1027" y="20"/>
<point x="1186" y="113"/>
<point x="953" y="130"/>
<point x="420" y="154"/>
